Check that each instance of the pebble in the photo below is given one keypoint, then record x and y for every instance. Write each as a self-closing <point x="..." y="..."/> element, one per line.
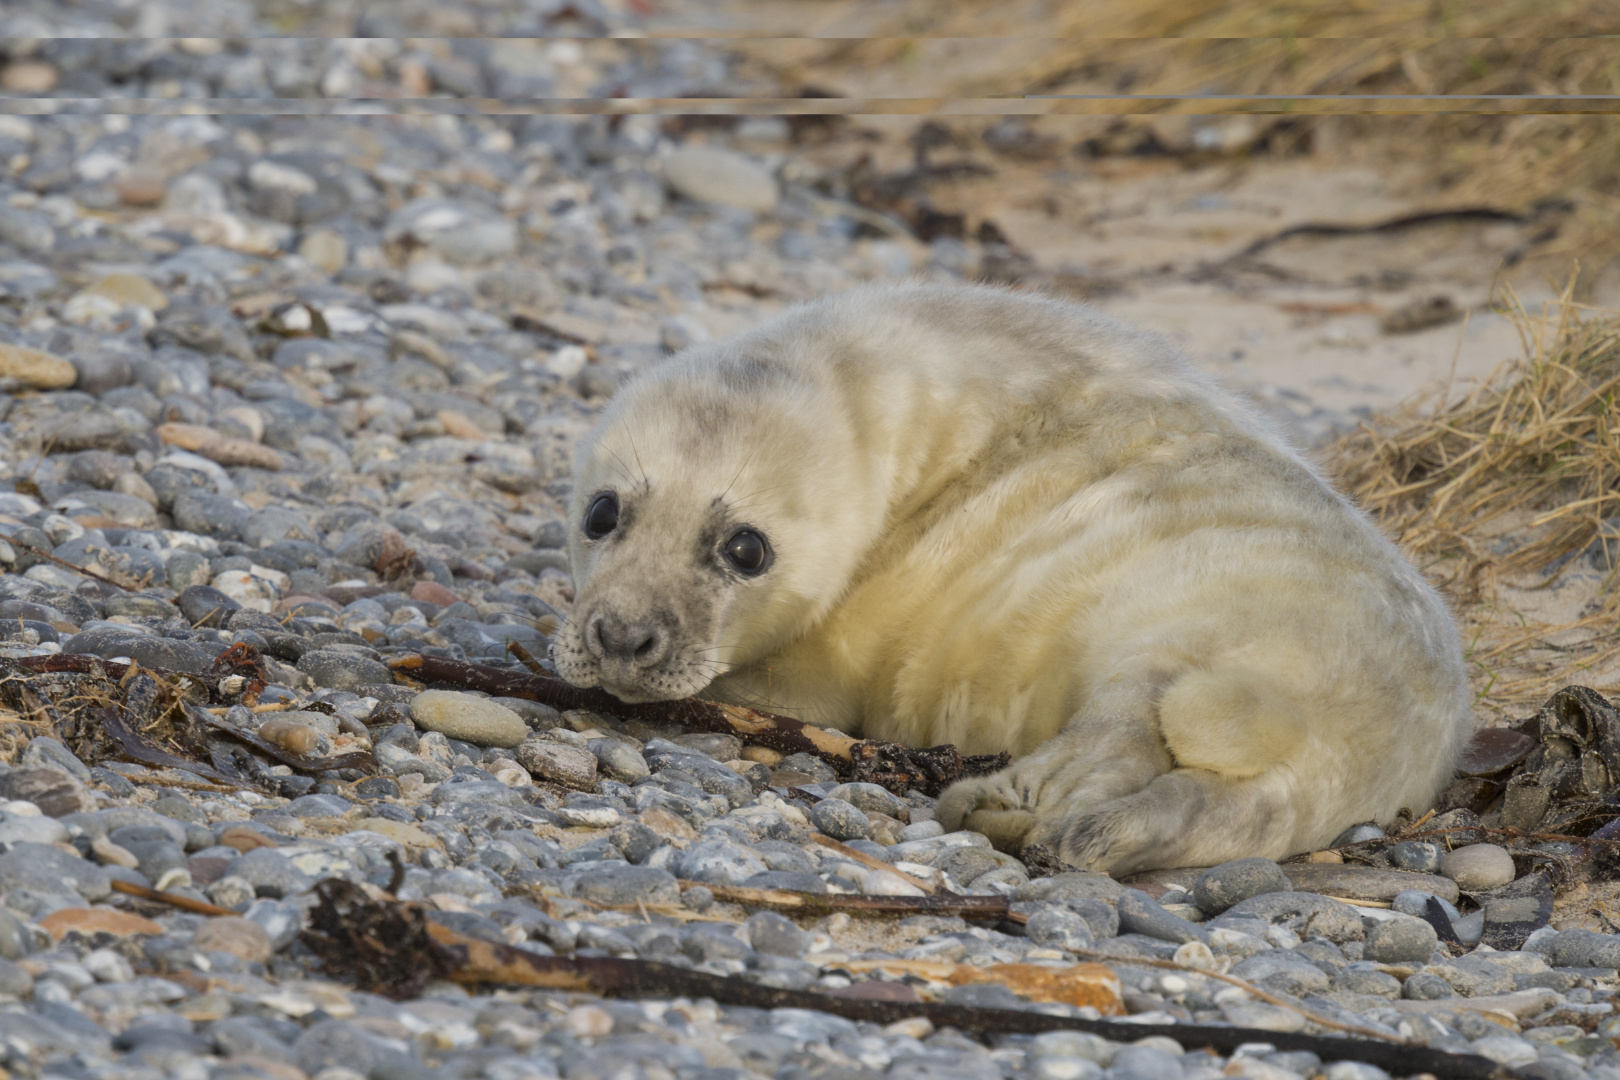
<point x="1400" y="940"/>
<point x="242" y="938"/>
<point x="1219" y="887"/>
<point x="469" y="718"/>
<point x="1141" y="914"/>
<point x="840" y="820"/>
<point x="722" y="177"/>
<point x="569" y="766"/>
<point x="1060" y="928"/>
<point x="1417" y="856"/>
<point x="1478" y="866"/>
<point x="36" y="369"/>
<point x="1584" y="949"/>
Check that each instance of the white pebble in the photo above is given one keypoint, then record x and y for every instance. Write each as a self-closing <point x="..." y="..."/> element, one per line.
<point x="888" y="883"/>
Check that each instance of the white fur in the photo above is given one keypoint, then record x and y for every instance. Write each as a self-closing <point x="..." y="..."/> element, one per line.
<point x="1011" y="523"/>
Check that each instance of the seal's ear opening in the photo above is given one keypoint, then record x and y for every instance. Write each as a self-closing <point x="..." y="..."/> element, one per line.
<point x="748" y="552"/>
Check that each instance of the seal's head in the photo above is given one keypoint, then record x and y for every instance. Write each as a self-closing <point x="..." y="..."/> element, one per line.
<point x="715" y="516"/>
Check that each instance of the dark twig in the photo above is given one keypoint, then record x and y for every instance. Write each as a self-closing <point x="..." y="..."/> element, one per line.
<point x="896" y="767"/>
<point x="32" y="550"/>
<point x="968" y="907"/>
<point x="358" y="938"/>
<point x="184" y="903"/>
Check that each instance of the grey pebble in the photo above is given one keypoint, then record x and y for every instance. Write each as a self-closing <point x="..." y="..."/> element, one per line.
<point x="1400" y="940"/>
<point x="718" y="862"/>
<point x="343" y="670"/>
<point x="1139" y="913"/>
<point x="1059" y="928"/>
<point x="840" y="820"/>
<point x="271" y="873"/>
<point x="628" y="885"/>
<point x="1416" y="855"/>
<point x="1219" y="887"/>
<point x="618" y="760"/>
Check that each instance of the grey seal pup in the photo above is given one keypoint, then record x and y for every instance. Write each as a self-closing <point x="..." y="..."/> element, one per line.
<point x="931" y="514"/>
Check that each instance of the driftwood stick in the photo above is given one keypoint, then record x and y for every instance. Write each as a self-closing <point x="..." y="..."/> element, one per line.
<point x="777" y="732"/>
<point x="32" y="550"/>
<point x="1273" y="999"/>
<point x="897" y="768"/>
<point x="394" y="948"/>
<point x="184" y="903"/>
<point x="873" y="864"/>
<point x="968" y="907"/>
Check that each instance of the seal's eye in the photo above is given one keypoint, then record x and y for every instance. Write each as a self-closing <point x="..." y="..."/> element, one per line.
<point x="602" y="516"/>
<point x="747" y="552"/>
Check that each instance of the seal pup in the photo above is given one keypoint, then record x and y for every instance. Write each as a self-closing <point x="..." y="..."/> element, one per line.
<point x="930" y="514"/>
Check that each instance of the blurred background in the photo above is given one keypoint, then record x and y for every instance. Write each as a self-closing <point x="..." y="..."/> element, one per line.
<point x="1322" y="202"/>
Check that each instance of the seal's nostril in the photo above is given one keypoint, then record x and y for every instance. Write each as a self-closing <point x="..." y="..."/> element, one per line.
<point x="648" y="646"/>
<point x="595" y="639"/>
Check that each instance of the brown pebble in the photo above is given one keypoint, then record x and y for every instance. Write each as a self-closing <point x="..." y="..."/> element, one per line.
<point x="242" y="938"/>
<point x="566" y="765"/>
<point x="762" y="754"/>
<point x="244" y="839"/>
<point x="298" y="738"/>
<point x="98" y="920"/>
<point x="667" y="824"/>
<point x="139" y="187"/>
<point x="29" y="77"/>
<point x="876" y="990"/>
<point x="1326" y="856"/>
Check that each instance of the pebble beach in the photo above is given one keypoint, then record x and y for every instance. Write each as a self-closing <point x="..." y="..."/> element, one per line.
<point x="291" y="399"/>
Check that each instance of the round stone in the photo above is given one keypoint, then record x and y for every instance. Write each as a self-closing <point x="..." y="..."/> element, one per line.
<point x="570" y="766"/>
<point x="1416" y="855"/>
<point x="340" y="669"/>
<point x="1358" y="834"/>
<point x="36" y="369"/>
<point x="719" y="862"/>
<point x="242" y="938"/>
<point x="477" y="720"/>
<point x="869" y="799"/>
<point x="1478" y="866"/>
<point x="1059" y="928"/>
<point x="620" y="761"/>
<point x="840" y="820"/>
<point x="1219" y="887"/>
<point x="1423" y="986"/>
<point x="1400" y="940"/>
<point x="776" y="934"/>
<point x="721" y="177"/>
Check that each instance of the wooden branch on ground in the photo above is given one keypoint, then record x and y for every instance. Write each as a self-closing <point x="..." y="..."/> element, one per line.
<point x="806" y="903"/>
<point x="928" y="769"/>
<point x="184" y="903"/>
<point x="394" y="948"/>
<point x="873" y="864"/>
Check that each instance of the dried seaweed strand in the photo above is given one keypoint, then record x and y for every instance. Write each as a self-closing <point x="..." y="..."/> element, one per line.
<point x="357" y="937"/>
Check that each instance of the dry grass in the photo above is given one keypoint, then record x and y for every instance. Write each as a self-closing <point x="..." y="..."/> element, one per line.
<point x="1500" y="490"/>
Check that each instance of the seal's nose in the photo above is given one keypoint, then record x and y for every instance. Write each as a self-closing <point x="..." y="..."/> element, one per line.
<point x="641" y="643"/>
